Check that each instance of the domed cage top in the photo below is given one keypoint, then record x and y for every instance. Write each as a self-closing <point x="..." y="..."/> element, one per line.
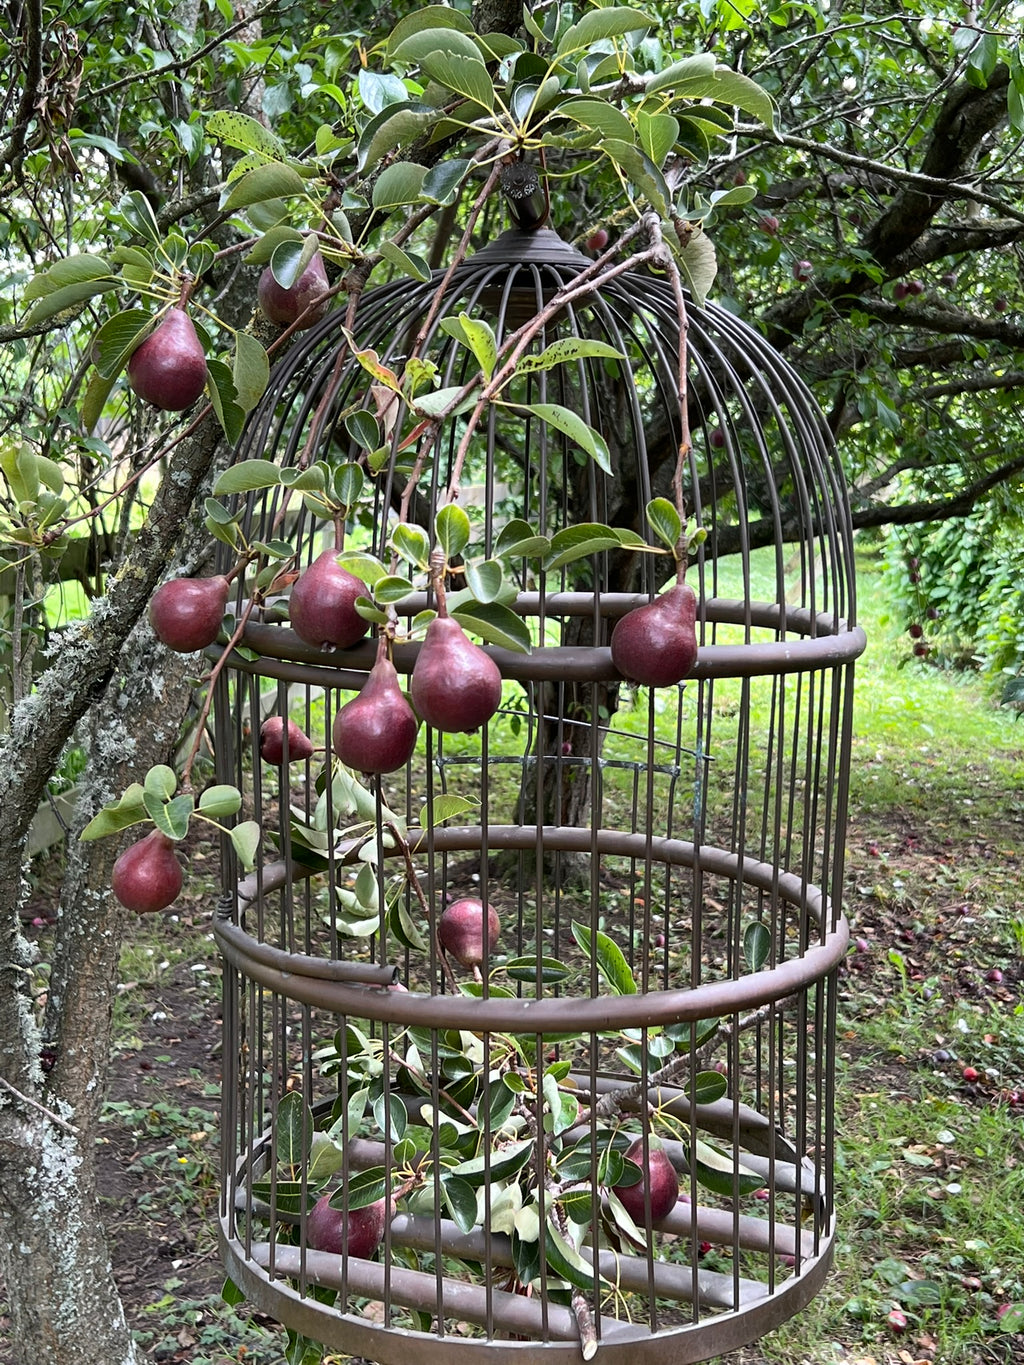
<point x="607" y="1123"/>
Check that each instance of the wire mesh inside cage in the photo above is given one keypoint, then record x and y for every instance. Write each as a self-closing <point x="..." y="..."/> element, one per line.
<point x="593" y="1109"/>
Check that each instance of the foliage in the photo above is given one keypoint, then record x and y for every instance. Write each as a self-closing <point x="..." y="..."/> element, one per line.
<point x="957" y="588"/>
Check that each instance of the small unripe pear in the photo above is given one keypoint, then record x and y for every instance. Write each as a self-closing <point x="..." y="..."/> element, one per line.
<point x="455" y="685"/>
<point x="186" y="613"/>
<point x="284" y="306"/>
<point x="147" y="876"/>
<point x="169" y="368"/>
<point x="659" y="1177"/>
<point x="321" y="607"/>
<point x="272" y="733"/>
<point x="461" y="931"/>
<point x="326" y="1228"/>
<point x="376" y="731"/>
<point x="657" y="644"/>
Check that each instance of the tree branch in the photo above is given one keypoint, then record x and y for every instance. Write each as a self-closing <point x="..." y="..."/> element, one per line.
<point x="13" y="154"/>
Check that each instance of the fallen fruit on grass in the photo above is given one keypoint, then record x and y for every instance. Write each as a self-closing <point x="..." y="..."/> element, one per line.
<point x="147" y="876"/>
<point x="461" y="931"/>
<point x="322" y="604"/>
<point x="657" y="644"/>
<point x="272" y="737"/>
<point x="970" y="1074"/>
<point x="659" y="1176"/>
<point x="169" y="368"/>
<point x="376" y="731"/>
<point x="455" y="685"/>
<point x="897" y="1320"/>
<point x="355" y="1232"/>
<point x="285" y="306"/>
<point x="186" y="613"/>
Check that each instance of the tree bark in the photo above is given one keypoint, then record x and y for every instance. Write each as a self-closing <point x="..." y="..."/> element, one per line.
<point x="53" y="1255"/>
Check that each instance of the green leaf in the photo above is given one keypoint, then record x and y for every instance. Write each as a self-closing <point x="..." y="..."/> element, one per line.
<point x="441" y="182"/>
<point x="391" y="1116"/>
<point x="349" y="482"/>
<point x="391" y="588"/>
<point x="609" y="957"/>
<point x="363" y="565"/>
<point x="245" y="840"/>
<point x="640" y="170"/>
<point x="446" y="806"/>
<point x="715" y="1171"/>
<point x="404" y="927"/>
<point x="412" y="543"/>
<point x="114" y="342"/>
<point x="398" y="185"/>
<point x="251" y="371"/>
<point x="733" y="88"/>
<point x="478" y="336"/>
<point x="247" y="476"/>
<point x="129" y="810"/>
<point x="562" y="1257"/>
<point x="463" y="74"/>
<point x="525" y="969"/>
<point x="431" y="17"/>
<point x="598" y="24"/>
<point x="245" y="133"/>
<point x="377" y="89"/>
<point x="170" y="817"/>
<point x="395" y="126"/>
<point x="692" y="77"/>
<point x="65" y="299"/>
<point x="293" y="1130"/>
<point x="707" y="1087"/>
<point x="273" y="181"/>
<point x="460" y="1199"/>
<point x="222" y="395"/>
<point x="577" y="542"/>
<point x="263" y="252"/>
<point x="493" y="1166"/>
<point x="453" y="529"/>
<point x="368" y="1187"/>
<point x="161" y="781"/>
<point x="664" y="521"/>
<point x="436" y="404"/>
<point x="568" y="349"/>
<point x="290" y="258"/>
<point x="425" y="40"/>
<point x="599" y="115"/>
<point x="362" y="427"/>
<point x="288" y="1196"/>
<point x="658" y="133"/>
<point x="495" y="623"/>
<point x="572" y="425"/>
<point x="70" y="270"/>
<point x="699" y="264"/>
<point x="757" y="946"/>
<point x="137" y="213"/>
<point x="519" y="540"/>
<point x="220" y="801"/>
<point x="231" y="1294"/>
<point x="407" y="262"/>
<point x="484" y="579"/>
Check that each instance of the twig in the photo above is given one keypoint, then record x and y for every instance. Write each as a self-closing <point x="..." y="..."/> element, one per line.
<point x="34" y="1104"/>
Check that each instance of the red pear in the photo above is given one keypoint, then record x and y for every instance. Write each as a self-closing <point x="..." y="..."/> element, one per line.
<point x="657" y="644"/>
<point x="169" y="368"/>
<point x="322" y="604"/>
<point x="284" y="306"/>
<point x="659" y="1176"/>
<point x="461" y="931"/>
<point x="326" y="1228"/>
<point x="455" y="685"/>
<point x="186" y="613"/>
<point x="147" y="876"/>
<point x="376" y="731"/>
<point x="272" y="733"/>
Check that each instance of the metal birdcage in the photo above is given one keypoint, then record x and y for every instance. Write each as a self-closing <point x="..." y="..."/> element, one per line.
<point x="666" y="862"/>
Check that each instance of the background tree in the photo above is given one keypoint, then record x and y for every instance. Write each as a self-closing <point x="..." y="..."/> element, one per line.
<point x="881" y="250"/>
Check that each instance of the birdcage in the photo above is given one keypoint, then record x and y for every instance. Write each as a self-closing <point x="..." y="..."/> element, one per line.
<point x="603" y="1117"/>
